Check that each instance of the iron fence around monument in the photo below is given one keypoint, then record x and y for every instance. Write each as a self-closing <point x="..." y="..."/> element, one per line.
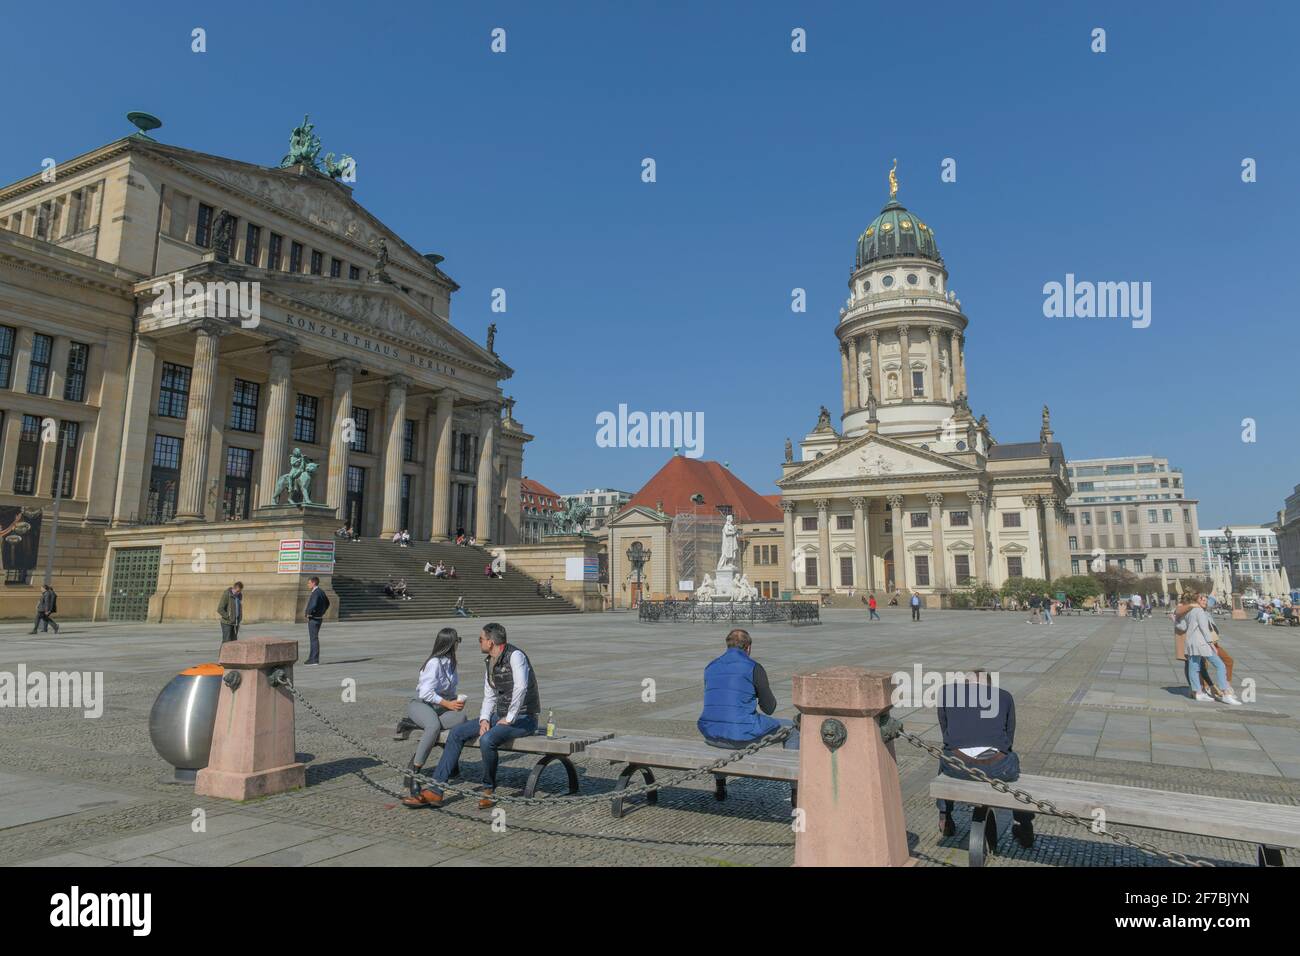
<point x="762" y="611"/>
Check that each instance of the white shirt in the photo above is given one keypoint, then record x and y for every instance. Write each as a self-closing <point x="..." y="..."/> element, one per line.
<point x="1137" y="600"/>
<point x="519" y="670"/>
<point x="437" y="681"/>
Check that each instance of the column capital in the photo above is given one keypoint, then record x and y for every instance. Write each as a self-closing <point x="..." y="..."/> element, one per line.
<point x="281" y="347"/>
<point x="788" y="506"/>
<point x="859" y="503"/>
<point x="956" y="334"/>
<point x="977" y="497"/>
<point x="895" y="501"/>
<point x="823" y="504"/>
<point x="402" y="382"/>
<point x="1030" y="501"/>
<point x="874" y="335"/>
<point x="209" y="327"/>
<point x="935" y="498"/>
<point x="348" y="366"/>
<point x="902" y="328"/>
<point x="934" y="331"/>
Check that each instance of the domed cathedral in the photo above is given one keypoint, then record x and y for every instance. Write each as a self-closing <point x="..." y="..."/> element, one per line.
<point x="911" y="491"/>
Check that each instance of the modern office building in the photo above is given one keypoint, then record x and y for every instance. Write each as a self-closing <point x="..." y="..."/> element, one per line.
<point x="604" y="504"/>
<point x="1132" y="512"/>
<point x="1257" y="559"/>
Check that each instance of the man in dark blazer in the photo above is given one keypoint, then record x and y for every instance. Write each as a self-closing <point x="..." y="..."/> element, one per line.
<point x="230" y="609"/>
<point x="317" y="605"/>
<point x="46" y="605"/>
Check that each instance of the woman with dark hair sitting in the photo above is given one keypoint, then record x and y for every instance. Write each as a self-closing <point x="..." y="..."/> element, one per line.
<point x="434" y="708"/>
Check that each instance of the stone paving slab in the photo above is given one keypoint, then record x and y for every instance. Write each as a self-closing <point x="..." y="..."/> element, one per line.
<point x="1097" y="698"/>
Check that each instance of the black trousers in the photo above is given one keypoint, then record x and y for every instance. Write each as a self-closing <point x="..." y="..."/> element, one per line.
<point x="43" y="622"/>
<point x="229" y="632"/>
<point x="313" y="633"/>
<point x="916" y="612"/>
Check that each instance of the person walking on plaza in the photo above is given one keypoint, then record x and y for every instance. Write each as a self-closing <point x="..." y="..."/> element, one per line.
<point x="1035" y="606"/>
<point x="317" y="605"/>
<point x="916" y="606"/>
<point x="511" y="708"/>
<point x="1047" y="608"/>
<point x="1199" y="647"/>
<point x="47" y="605"/>
<point x="434" y="708"/>
<point x="231" y="611"/>
<point x="871" y="609"/>
<point x="975" y="733"/>
<point x="1135" y="605"/>
<point x="738" y="699"/>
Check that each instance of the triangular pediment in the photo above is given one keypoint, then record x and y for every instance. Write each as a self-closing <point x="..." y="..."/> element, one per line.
<point x="874" y="456"/>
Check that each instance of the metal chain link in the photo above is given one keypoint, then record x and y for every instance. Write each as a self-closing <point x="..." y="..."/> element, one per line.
<point x="1046" y="806"/>
<point x="777" y="736"/>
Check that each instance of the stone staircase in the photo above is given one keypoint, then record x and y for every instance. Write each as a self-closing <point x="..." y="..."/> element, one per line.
<point x="363" y="567"/>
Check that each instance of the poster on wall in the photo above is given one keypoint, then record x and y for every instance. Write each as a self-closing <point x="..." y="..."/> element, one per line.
<point x="306" y="556"/>
<point x="20" y="537"/>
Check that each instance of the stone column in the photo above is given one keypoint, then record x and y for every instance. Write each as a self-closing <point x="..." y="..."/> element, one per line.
<point x="844" y="376"/>
<point x="136" y="456"/>
<point x="855" y="377"/>
<point x="904" y="359"/>
<point x="485" y="505"/>
<point x="958" y="364"/>
<point x="394" y="424"/>
<point x="336" y="488"/>
<point x="1058" y="559"/>
<point x="900" y="559"/>
<point x="788" y="507"/>
<point x="862" y="572"/>
<point x="977" y="499"/>
<point x="22" y="363"/>
<point x="198" y="423"/>
<point x="875" y="364"/>
<point x="1031" y="505"/>
<point x="938" y="566"/>
<point x="442" y="463"/>
<point x="851" y="797"/>
<point x="13" y="431"/>
<point x="275" y="433"/>
<point x="935" y="385"/>
<point x="825" y="581"/>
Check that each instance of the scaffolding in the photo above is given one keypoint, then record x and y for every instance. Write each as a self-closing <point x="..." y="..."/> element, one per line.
<point x="697" y="544"/>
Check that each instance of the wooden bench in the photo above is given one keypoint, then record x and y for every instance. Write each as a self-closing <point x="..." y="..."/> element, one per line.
<point x="559" y="748"/>
<point x="1273" y="827"/>
<point x="673" y="753"/>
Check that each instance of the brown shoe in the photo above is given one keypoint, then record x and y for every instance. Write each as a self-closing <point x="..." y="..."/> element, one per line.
<point x="425" y="798"/>
<point x="486" y="802"/>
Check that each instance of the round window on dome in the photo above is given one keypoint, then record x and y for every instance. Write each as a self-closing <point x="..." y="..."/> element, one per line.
<point x="887" y="281"/>
<point x="870" y="230"/>
<point x="905" y="224"/>
<point x="866" y="286"/>
<point x="886" y="226"/>
<point x="911" y="278"/>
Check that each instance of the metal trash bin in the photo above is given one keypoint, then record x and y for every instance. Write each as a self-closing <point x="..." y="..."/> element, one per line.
<point x="182" y="719"/>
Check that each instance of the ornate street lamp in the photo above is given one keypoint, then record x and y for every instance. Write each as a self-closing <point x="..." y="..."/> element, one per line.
<point x="638" y="556"/>
<point x="1226" y="548"/>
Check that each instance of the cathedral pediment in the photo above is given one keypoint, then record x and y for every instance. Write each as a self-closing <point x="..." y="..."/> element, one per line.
<point x="873" y="456"/>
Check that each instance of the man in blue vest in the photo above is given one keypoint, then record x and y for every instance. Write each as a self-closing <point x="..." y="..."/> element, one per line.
<point x="735" y="690"/>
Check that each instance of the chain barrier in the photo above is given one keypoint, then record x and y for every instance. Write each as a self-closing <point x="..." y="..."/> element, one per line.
<point x="1046" y="806"/>
<point x="777" y="736"/>
<point x="890" y="729"/>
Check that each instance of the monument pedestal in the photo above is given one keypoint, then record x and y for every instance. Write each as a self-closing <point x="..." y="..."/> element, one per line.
<point x="724" y="583"/>
<point x="296" y="511"/>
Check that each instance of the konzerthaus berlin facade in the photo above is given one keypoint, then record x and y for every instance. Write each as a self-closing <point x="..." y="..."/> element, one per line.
<point x="176" y="418"/>
<point x="912" y="492"/>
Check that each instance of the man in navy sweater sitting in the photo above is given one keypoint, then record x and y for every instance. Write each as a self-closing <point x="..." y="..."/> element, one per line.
<point x="979" y="729"/>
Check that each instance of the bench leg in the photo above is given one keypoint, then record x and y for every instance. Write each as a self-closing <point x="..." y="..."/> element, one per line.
<point x="616" y="804"/>
<point x="1269" y="855"/>
<point x="719" y="787"/>
<point x="530" y="788"/>
<point x="983" y="834"/>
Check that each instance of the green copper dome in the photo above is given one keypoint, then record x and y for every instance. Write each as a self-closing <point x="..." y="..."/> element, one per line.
<point x="896" y="232"/>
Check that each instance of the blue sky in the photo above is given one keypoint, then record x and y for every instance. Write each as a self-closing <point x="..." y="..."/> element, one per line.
<point x="524" y="170"/>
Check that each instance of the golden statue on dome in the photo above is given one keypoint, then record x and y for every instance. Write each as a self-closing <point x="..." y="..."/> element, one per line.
<point x="893" y="180"/>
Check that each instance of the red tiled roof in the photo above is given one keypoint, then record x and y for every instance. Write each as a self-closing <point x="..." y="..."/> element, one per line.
<point x="529" y="487"/>
<point x="682" y="477"/>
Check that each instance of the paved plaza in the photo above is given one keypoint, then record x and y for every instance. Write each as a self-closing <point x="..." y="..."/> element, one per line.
<point x="1099" y="698"/>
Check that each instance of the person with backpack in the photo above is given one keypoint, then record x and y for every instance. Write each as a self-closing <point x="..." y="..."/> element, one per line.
<point x="46" y="607"/>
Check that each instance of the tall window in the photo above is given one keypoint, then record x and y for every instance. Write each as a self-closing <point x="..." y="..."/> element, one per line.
<point x="408" y="440"/>
<point x="38" y="376"/>
<point x="406" y="502"/>
<point x="74" y="385"/>
<point x="354" y="272"/>
<point x="69" y="432"/>
<point x="274" y="251"/>
<point x="7" y="337"/>
<point x="304" y="419"/>
<point x="959" y="519"/>
<point x="961" y="569"/>
<point x="810" y="572"/>
<point x="336" y="268"/>
<point x="252" y="243"/>
<point x="844" y="522"/>
<point x="203" y="228"/>
<point x="923" y="570"/>
<point x="1074" y="543"/>
<point x="164" y="479"/>
<point x="918" y="384"/>
<point x="846" y="572"/>
<point x="1014" y="569"/>
<point x="361" y="429"/>
<point x="809" y="524"/>
<point x="920" y="519"/>
<point x="243" y="407"/>
<point x="1011" y="519"/>
<point x="1173" y="565"/>
<point x="239" y="471"/>
<point x="316" y="260"/>
<point x="174" y="391"/>
<point x="354" y="505"/>
<point x="75" y="207"/>
<point x="29" y="455"/>
<point x="295" y="257"/>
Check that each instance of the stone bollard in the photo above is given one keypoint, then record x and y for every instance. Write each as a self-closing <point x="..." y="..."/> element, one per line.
<point x="849" y="792"/>
<point x="253" y="744"/>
